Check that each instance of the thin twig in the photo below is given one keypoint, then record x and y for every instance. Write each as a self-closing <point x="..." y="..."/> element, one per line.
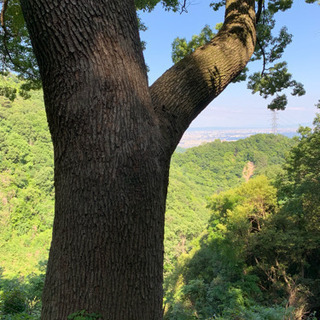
<point x="184" y="7"/>
<point x="263" y="56"/>
<point x="260" y="6"/>
<point x="258" y="15"/>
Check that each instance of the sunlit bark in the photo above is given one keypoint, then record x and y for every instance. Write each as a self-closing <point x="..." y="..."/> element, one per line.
<point x="113" y="138"/>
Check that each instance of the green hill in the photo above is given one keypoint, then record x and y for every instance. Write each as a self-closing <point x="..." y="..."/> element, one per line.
<point x="258" y="256"/>
<point x="213" y="167"/>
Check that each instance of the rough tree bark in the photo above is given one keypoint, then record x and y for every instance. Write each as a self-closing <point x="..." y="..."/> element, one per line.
<point x="113" y="137"/>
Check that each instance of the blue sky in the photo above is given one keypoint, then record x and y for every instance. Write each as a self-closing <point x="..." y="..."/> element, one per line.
<point x="236" y="106"/>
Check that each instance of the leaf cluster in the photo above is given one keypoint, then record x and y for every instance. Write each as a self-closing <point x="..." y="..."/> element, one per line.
<point x="277" y="79"/>
<point x="149" y="5"/>
<point x="20" y="298"/>
<point x="182" y="48"/>
<point x="16" y="51"/>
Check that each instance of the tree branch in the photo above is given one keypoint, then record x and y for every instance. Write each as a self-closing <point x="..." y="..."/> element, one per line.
<point x="2" y="17"/>
<point x="183" y="7"/>
<point x="258" y="15"/>
<point x="259" y="11"/>
<point x="183" y="91"/>
<point x="264" y="58"/>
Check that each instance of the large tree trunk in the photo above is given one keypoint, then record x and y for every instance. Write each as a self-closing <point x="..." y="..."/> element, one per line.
<point x="113" y="138"/>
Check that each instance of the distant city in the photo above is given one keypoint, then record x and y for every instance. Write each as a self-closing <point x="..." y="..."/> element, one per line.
<point x="196" y="136"/>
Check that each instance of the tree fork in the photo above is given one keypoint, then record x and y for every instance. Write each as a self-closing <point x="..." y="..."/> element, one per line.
<point x="183" y="91"/>
<point x="113" y="138"/>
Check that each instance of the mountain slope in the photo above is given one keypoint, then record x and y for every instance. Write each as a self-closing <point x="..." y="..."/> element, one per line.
<point x="213" y="167"/>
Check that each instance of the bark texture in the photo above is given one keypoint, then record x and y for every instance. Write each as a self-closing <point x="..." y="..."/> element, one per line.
<point x="113" y="138"/>
<point x="182" y="92"/>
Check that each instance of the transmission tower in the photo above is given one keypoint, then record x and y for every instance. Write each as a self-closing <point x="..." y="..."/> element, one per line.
<point x="274" y="121"/>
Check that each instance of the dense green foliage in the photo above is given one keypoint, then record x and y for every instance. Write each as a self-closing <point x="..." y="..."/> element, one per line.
<point x="20" y="298"/>
<point x="198" y="172"/>
<point x="26" y="183"/>
<point x="215" y="278"/>
<point x="259" y="255"/>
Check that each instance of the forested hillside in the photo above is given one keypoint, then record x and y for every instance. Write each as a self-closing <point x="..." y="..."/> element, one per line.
<point x="26" y="183"/>
<point x="213" y="167"/>
<point x="258" y="257"/>
<point x="242" y="230"/>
